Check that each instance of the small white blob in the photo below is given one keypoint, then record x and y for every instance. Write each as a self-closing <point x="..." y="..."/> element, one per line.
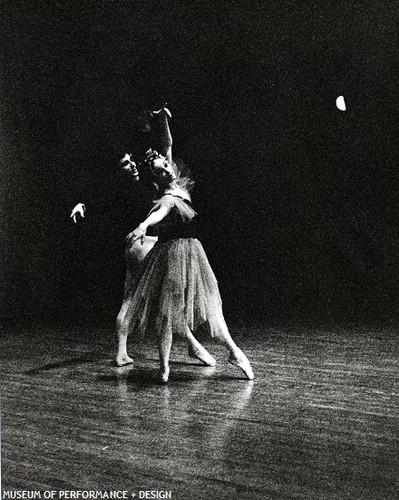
<point x="78" y="209"/>
<point x="341" y="103"/>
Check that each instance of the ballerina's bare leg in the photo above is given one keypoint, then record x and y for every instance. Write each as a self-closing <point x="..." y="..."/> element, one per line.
<point x="198" y="351"/>
<point x="122" y="329"/>
<point x="237" y="357"/>
<point x="164" y="346"/>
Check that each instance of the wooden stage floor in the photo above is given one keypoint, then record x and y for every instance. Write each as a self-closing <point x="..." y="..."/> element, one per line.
<point x="320" y="421"/>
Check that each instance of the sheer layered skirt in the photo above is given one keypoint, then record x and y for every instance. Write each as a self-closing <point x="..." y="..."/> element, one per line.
<point x="173" y="288"/>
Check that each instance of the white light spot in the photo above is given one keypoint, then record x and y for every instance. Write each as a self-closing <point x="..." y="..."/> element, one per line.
<point x="78" y="209"/>
<point x="341" y="103"/>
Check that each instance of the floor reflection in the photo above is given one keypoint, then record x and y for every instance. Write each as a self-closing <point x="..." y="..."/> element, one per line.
<point x="199" y="415"/>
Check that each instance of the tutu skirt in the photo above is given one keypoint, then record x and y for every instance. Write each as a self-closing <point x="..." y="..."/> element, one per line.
<point x="173" y="288"/>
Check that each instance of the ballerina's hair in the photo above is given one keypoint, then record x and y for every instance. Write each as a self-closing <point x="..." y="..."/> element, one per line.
<point x="184" y="176"/>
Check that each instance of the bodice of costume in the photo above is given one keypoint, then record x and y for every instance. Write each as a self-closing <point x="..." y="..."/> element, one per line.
<point x="180" y="221"/>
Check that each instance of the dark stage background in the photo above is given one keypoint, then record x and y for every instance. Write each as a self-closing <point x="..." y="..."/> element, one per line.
<point x="299" y="201"/>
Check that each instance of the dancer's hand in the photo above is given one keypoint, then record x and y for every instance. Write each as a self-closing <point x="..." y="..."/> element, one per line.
<point x="78" y="209"/>
<point x="135" y="235"/>
<point x="164" y="111"/>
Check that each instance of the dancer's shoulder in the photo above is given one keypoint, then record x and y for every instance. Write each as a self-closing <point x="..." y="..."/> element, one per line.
<point x="166" y="199"/>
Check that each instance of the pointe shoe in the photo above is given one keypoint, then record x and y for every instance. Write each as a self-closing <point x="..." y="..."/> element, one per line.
<point x="123" y="359"/>
<point x="202" y="355"/>
<point x="243" y="365"/>
<point x="163" y="376"/>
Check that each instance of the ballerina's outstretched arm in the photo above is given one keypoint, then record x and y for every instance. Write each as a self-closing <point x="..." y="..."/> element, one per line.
<point x="157" y="214"/>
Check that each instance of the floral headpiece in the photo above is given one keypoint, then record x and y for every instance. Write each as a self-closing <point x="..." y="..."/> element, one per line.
<point x="150" y="156"/>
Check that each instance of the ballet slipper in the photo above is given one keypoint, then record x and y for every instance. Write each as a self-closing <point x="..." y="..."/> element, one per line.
<point x="243" y="364"/>
<point x="123" y="359"/>
<point x="202" y="355"/>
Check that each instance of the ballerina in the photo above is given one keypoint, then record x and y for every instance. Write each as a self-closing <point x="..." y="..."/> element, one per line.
<point x="174" y="290"/>
<point x="136" y="251"/>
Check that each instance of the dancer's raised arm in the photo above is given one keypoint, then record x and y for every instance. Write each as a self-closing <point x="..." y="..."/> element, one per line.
<point x="166" y="137"/>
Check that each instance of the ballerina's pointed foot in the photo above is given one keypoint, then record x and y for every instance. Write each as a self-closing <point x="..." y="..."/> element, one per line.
<point x="243" y="364"/>
<point x="202" y="355"/>
<point x="123" y="359"/>
<point x="163" y="376"/>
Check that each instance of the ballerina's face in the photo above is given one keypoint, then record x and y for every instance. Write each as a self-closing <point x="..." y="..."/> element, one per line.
<point x="161" y="168"/>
